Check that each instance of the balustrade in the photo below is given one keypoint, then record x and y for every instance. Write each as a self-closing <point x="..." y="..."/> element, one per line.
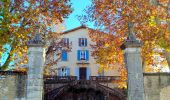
<point x="65" y="79"/>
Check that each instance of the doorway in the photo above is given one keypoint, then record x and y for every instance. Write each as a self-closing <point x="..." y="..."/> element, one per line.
<point x="82" y="73"/>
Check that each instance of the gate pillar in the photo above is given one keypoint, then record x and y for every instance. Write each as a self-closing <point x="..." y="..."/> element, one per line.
<point x="35" y="68"/>
<point x="133" y="61"/>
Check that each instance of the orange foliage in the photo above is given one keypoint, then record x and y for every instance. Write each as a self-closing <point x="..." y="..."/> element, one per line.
<point x="19" y="18"/>
<point x="150" y="18"/>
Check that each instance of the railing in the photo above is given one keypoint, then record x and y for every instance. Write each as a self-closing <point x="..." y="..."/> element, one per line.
<point x="66" y="79"/>
<point x="104" y="78"/>
<point x="59" y="79"/>
<point x="83" y="62"/>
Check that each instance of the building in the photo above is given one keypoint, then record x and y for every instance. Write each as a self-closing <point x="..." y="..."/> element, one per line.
<point x="79" y="62"/>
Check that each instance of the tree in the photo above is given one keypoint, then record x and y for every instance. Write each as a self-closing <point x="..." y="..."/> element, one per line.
<point x="150" y="19"/>
<point x="53" y="55"/>
<point x="18" y="21"/>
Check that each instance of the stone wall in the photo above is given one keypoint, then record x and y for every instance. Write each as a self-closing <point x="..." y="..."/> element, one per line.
<point x="157" y="86"/>
<point x="12" y="86"/>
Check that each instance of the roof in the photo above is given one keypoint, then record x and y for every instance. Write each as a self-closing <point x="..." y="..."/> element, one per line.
<point x="77" y="28"/>
<point x="81" y="27"/>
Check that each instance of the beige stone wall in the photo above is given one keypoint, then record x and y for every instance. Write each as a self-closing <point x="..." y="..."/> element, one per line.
<point x="164" y="93"/>
<point x="157" y="86"/>
<point x="12" y="87"/>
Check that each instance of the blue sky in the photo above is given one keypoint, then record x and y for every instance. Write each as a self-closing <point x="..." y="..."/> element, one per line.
<point x="78" y="6"/>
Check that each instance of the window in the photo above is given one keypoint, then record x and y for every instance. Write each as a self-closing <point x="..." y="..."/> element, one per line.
<point x="82" y="42"/>
<point x="65" y="71"/>
<point x="65" y="41"/>
<point x="64" y="56"/>
<point x="82" y="55"/>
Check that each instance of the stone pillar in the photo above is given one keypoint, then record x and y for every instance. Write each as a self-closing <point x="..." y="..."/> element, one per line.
<point x="133" y="63"/>
<point x="35" y="69"/>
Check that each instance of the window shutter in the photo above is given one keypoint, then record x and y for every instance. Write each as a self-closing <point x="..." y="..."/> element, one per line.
<point x="68" y="71"/>
<point x="87" y="55"/>
<point x="60" y="72"/>
<point x="88" y="73"/>
<point x="62" y="41"/>
<point x="85" y="41"/>
<point x="64" y="55"/>
<point x="79" y="41"/>
<point x="78" y="55"/>
<point x="77" y="72"/>
<point x="67" y="41"/>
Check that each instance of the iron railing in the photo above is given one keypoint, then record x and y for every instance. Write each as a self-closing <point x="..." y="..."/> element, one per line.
<point x="104" y="78"/>
<point x="66" y="79"/>
<point x="59" y="79"/>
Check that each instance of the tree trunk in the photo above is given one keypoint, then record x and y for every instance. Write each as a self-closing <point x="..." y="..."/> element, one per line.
<point x="167" y="56"/>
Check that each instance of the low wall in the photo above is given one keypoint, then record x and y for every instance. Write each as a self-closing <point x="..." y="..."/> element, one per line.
<point x="157" y="86"/>
<point x="12" y="85"/>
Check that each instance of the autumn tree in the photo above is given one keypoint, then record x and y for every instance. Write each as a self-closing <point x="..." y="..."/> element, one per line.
<point x="19" y="19"/>
<point x="150" y="20"/>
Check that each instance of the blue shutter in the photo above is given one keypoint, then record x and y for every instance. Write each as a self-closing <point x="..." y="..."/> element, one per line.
<point x="87" y="55"/>
<point x="79" y="41"/>
<point x="59" y="72"/>
<point x="68" y="71"/>
<point x="78" y="55"/>
<point x="64" y="55"/>
<point x="88" y="73"/>
<point x="85" y="41"/>
<point x="77" y="72"/>
<point x="67" y="41"/>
